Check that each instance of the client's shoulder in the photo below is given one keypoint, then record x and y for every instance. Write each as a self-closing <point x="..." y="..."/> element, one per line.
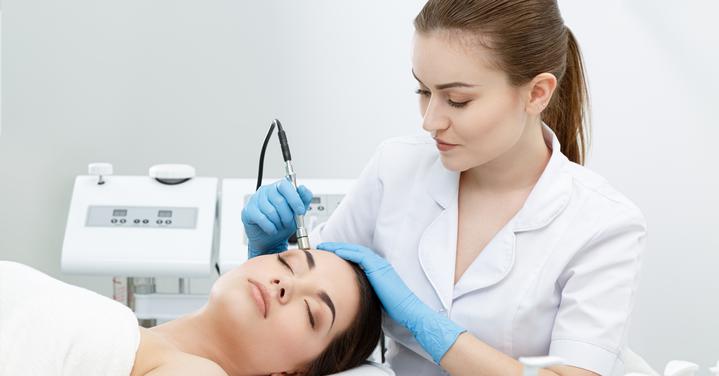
<point x="156" y="357"/>
<point x="187" y="364"/>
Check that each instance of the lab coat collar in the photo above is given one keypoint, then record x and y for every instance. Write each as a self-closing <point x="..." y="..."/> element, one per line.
<point x="549" y="197"/>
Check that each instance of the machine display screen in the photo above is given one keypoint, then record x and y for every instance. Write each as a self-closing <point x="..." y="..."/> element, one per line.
<point x="119" y="212"/>
<point x="164" y="213"/>
<point x="315" y="200"/>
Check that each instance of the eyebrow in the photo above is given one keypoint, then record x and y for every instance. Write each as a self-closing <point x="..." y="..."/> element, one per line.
<point x="322" y="294"/>
<point x="444" y="86"/>
<point x="326" y="298"/>
<point x="310" y="259"/>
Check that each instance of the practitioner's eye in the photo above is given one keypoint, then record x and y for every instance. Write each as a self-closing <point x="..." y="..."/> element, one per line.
<point x="424" y="93"/>
<point x="457" y="104"/>
<point x="309" y="313"/>
<point x="283" y="262"/>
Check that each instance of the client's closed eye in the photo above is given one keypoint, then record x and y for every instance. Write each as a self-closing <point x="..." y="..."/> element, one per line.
<point x="283" y="262"/>
<point x="309" y="313"/>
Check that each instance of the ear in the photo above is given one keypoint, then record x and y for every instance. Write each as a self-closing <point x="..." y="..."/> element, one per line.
<point x="539" y="92"/>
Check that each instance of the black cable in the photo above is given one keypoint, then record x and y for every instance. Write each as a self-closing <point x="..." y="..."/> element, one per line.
<point x="262" y="155"/>
<point x="382" y="348"/>
<point x="283" y="142"/>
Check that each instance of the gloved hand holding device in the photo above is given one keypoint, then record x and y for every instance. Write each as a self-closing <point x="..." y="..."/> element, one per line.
<point x="269" y="216"/>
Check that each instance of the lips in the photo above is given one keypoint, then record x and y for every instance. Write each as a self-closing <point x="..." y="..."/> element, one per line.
<point x="443" y="146"/>
<point x="261" y="296"/>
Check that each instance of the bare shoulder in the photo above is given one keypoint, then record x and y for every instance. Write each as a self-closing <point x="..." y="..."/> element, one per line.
<point x="187" y="364"/>
<point x="155" y="357"/>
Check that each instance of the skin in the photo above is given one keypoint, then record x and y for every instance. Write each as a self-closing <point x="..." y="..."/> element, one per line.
<point x="230" y="335"/>
<point x="500" y="154"/>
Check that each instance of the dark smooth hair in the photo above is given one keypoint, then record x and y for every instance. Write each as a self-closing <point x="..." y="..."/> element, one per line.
<point x="353" y="346"/>
<point x="528" y="37"/>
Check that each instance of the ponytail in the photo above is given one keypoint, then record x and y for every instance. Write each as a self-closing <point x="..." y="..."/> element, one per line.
<point x="568" y="109"/>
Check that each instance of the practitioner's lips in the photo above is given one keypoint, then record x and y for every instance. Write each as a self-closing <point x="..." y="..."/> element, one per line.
<point x="261" y="296"/>
<point x="444" y="146"/>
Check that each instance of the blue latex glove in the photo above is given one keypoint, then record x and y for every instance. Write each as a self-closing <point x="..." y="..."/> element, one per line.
<point x="269" y="216"/>
<point x="433" y="331"/>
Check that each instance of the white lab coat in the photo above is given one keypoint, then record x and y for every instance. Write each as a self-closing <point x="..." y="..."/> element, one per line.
<point x="558" y="279"/>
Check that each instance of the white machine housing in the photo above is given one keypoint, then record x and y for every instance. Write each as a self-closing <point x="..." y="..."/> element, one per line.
<point x="327" y="194"/>
<point x="137" y="226"/>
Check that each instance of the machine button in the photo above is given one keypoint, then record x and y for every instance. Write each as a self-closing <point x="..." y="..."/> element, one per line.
<point x="159" y="221"/>
<point x="136" y="221"/>
<point x="320" y="208"/>
<point x="168" y="222"/>
<point x="114" y="220"/>
<point x="123" y="220"/>
<point x="145" y="221"/>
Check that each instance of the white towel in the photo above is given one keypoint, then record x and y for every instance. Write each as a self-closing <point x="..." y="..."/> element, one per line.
<point x="48" y="328"/>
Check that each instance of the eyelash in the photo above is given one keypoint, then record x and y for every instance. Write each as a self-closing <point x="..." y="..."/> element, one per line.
<point x="309" y="313"/>
<point x="283" y="262"/>
<point x="426" y="93"/>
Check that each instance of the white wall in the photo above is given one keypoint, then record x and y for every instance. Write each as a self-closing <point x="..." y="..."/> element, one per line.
<point x="653" y="78"/>
<point x="142" y="82"/>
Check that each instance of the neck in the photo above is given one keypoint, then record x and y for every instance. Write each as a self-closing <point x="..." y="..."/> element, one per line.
<point x="518" y="168"/>
<point x="198" y="334"/>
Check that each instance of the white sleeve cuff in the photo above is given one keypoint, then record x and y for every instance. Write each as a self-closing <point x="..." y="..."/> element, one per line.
<point x="585" y="355"/>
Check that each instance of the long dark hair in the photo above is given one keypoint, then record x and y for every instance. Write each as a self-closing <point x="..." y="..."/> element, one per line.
<point x="528" y="37"/>
<point x="353" y="346"/>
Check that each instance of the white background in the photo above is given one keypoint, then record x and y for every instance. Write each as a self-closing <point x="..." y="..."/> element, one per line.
<point x="138" y="82"/>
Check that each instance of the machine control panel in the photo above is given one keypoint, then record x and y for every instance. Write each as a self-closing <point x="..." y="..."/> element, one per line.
<point x="142" y="216"/>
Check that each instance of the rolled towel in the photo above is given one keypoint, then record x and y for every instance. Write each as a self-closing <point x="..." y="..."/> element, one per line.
<point x="48" y="327"/>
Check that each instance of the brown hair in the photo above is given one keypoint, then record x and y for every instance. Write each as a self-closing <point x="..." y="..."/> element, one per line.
<point x="528" y="37"/>
<point x="353" y="346"/>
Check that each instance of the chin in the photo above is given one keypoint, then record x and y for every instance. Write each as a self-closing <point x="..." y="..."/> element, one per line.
<point x="454" y="164"/>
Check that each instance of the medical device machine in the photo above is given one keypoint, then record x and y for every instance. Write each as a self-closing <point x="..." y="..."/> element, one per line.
<point x="143" y="227"/>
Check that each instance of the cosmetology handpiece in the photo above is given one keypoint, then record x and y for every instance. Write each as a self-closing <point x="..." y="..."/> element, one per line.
<point x="303" y="241"/>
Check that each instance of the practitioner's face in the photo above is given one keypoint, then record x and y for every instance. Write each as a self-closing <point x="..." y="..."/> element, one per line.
<point x="298" y="323"/>
<point x="465" y="101"/>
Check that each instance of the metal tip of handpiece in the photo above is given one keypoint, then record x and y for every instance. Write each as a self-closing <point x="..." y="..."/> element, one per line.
<point x="303" y="243"/>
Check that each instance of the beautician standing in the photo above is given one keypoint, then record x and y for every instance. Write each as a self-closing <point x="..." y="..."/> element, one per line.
<point x="500" y="243"/>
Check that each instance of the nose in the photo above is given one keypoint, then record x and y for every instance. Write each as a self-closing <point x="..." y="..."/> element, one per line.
<point x="282" y="289"/>
<point x="434" y="119"/>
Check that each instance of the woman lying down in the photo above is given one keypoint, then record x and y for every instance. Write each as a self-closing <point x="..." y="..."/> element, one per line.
<point x="294" y="313"/>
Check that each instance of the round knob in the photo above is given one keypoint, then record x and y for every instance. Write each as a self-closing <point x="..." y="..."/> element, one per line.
<point x="172" y="174"/>
<point x="99" y="169"/>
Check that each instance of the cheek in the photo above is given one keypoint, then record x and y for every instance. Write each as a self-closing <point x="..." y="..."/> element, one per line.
<point x="490" y="127"/>
<point x="291" y="339"/>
